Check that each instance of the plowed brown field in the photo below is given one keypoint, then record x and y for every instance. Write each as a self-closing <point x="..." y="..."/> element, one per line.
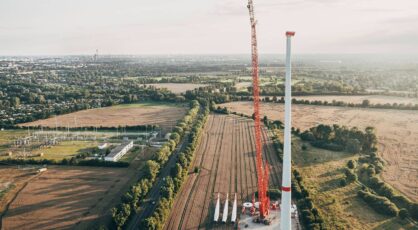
<point x="226" y="158"/>
<point x="397" y="132"/>
<point x="121" y="115"/>
<point x="65" y="198"/>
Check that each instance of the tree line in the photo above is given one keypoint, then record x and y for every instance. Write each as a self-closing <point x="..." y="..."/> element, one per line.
<point x="382" y="197"/>
<point x="177" y="177"/>
<point x="132" y="199"/>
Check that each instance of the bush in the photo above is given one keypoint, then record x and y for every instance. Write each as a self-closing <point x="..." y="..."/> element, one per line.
<point x="304" y="147"/>
<point x="350" y="176"/>
<point x="151" y="169"/>
<point x="343" y="182"/>
<point x="307" y="136"/>
<point x="196" y="169"/>
<point x="414" y="211"/>
<point x="403" y="213"/>
<point x="273" y="194"/>
<point x="351" y="164"/>
<point x="120" y="215"/>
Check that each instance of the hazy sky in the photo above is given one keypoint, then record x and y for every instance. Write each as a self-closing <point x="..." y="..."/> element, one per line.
<point x="206" y="26"/>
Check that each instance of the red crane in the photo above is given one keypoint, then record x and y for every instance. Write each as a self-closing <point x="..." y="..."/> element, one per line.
<point x="262" y="172"/>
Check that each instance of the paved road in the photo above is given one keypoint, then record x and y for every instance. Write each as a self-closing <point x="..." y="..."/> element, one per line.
<point x="148" y="206"/>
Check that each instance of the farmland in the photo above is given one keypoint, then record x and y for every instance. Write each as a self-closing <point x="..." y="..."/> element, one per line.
<point x="11" y="180"/>
<point x="63" y="197"/>
<point x="226" y="159"/>
<point x="374" y="99"/>
<point x="71" y="197"/>
<point x="397" y="133"/>
<point x="177" y="88"/>
<point x="120" y="115"/>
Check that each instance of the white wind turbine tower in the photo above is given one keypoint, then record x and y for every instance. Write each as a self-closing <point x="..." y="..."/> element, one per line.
<point x="285" y="219"/>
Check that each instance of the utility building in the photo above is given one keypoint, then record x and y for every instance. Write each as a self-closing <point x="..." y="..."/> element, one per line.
<point x="119" y="151"/>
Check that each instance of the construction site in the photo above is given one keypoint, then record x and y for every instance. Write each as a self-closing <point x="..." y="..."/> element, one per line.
<point x="239" y="166"/>
<point x="215" y="114"/>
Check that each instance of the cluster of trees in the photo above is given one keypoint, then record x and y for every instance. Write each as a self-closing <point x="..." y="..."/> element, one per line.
<point x="375" y="163"/>
<point x="132" y="199"/>
<point x="337" y="138"/>
<point x="350" y="176"/>
<point x="202" y="94"/>
<point x="220" y="110"/>
<point x="177" y="176"/>
<point x="74" y="161"/>
<point x="379" y="203"/>
<point x="379" y="188"/>
<point x="310" y="217"/>
<point x="378" y="194"/>
<point x="273" y="194"/>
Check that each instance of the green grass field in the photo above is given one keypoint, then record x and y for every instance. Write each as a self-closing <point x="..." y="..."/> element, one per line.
<point x="7" y="137"/>
<point x="340" y="206"/>
<point x="66" y="149"/>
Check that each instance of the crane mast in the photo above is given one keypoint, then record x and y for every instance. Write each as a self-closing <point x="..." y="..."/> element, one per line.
<point x="262" y="172"/>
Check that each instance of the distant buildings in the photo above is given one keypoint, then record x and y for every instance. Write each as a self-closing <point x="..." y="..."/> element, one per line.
<point x="119" y="151"/>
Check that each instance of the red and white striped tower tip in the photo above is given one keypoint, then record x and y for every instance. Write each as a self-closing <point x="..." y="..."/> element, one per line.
<point x="285" y="218"/>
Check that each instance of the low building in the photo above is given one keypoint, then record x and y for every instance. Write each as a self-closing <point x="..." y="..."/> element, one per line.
<point x="102" y="146"/>
<point x="119" y="151"/>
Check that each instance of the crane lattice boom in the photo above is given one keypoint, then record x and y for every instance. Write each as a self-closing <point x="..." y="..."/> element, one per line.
<point x="262" y="174"/>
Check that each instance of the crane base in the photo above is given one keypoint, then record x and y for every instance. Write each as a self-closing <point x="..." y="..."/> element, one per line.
<point x="249" y="222"/>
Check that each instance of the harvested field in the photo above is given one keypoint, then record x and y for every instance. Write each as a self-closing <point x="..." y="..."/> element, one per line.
<point x="374" y="99"/>
<point x="226" y="158"/>
<point x="63" y="198"/>
<point x="177" y="88"/>
<point x="11" y="180"/>
<point x="72" y="197"/>
<point x="397" y="132"/>
<point x="163" y="115"/>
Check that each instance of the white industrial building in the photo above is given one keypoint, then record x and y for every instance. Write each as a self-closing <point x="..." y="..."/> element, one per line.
<point x="102" y="146"/>
<point x="119" y="151"/>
